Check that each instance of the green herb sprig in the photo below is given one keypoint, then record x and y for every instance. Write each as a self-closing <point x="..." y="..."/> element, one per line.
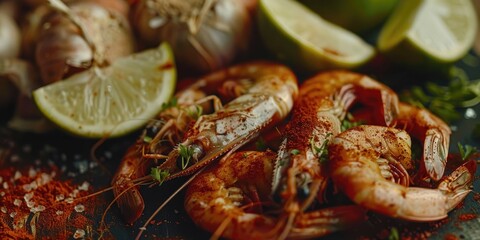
<point x="466" y="151"/>
<point x="195" y="112"/>
<point x="394" y="235"/>
<point x="159" y="175"/>
<point x="186" y="154"/>
<point x="295" y="151"/>
<point x="170" y="104"/>
<point x="349" y="122"/>
<point x="322" y="151"/>
<point x="260" y="144"/>
<point x="444" y="101"/>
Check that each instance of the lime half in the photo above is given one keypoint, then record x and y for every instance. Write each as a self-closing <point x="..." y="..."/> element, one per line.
<point x="300" y="37"/>
<point x="429" y="33"/>
<point x="114" y="100"/>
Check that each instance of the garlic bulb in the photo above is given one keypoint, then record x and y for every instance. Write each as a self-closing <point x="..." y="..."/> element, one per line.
<point x="204" y="34"/>
<point x="18" y="79"/>
<point x="9" y="37"/>
<point x="72" y="38"/>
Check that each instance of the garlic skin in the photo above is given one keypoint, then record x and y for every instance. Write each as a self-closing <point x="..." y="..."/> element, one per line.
<point x="205" y="34"/>
<point x="10" y="37"/>
<point x="63" y="46"/>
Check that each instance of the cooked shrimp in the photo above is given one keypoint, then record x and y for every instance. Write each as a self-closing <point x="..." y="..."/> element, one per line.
<point x="434" y="134"/>
<point x="262" y="95"/>
<point x="233" y="200"/>
<point x="353" y="166"/>
<point x="321" y="106"/>
<point x="158" y="138"/>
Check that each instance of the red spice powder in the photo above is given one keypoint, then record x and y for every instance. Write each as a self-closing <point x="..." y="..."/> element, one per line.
<point x="450" y="236"/>
<point x="476" y="197"/>
<point x="35" y="204"/>
<point x="467" y="216"/>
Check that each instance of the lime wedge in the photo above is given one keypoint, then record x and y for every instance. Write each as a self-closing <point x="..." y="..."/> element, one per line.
<point x="114" y="100"/>
<point x="429" y="33"/>
<point x="359" y="16"/>
<point x="300" y="37"/>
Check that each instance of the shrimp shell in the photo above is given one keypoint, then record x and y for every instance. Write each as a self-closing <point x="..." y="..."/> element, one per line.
<point x="354" y="171"/>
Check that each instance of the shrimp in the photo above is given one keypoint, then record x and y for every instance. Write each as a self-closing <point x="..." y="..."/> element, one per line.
<point x="434" y="134"/>
<point x="321" y="106"/>
<point x="262" y="95"/>
<point x="353" y="156"/>
<point x="158" y="138"/>
<point x="233" y="200"/>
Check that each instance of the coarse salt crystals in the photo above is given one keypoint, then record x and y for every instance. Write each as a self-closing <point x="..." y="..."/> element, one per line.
<point x="79" y="233"/>
<point x="79" y="208"/>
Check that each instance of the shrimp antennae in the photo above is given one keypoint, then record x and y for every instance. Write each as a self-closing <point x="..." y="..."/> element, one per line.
<point x="102" y="221"/>
<point x="137" y="182"/>
<point x="93" y="154"/>
<point x="102" y="140"/>
<point x="144" y="227"/>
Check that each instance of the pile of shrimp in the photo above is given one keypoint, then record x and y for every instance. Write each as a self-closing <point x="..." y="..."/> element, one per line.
<point x="337" y="133"/>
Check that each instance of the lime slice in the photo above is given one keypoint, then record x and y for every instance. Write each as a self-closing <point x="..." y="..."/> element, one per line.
<point x="429" y="33"/>
<point x="359" y="16"/>
<point x="114" y="100"/>
<point x="300" y="37"/>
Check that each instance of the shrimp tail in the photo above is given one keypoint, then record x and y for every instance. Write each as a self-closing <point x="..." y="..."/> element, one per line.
<point x="458" y="184"/>
<point x="325" y="221"/>
<point x="434" y="133"/>
<point x="434" y="204"/>
<point x="436" y="151"/>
